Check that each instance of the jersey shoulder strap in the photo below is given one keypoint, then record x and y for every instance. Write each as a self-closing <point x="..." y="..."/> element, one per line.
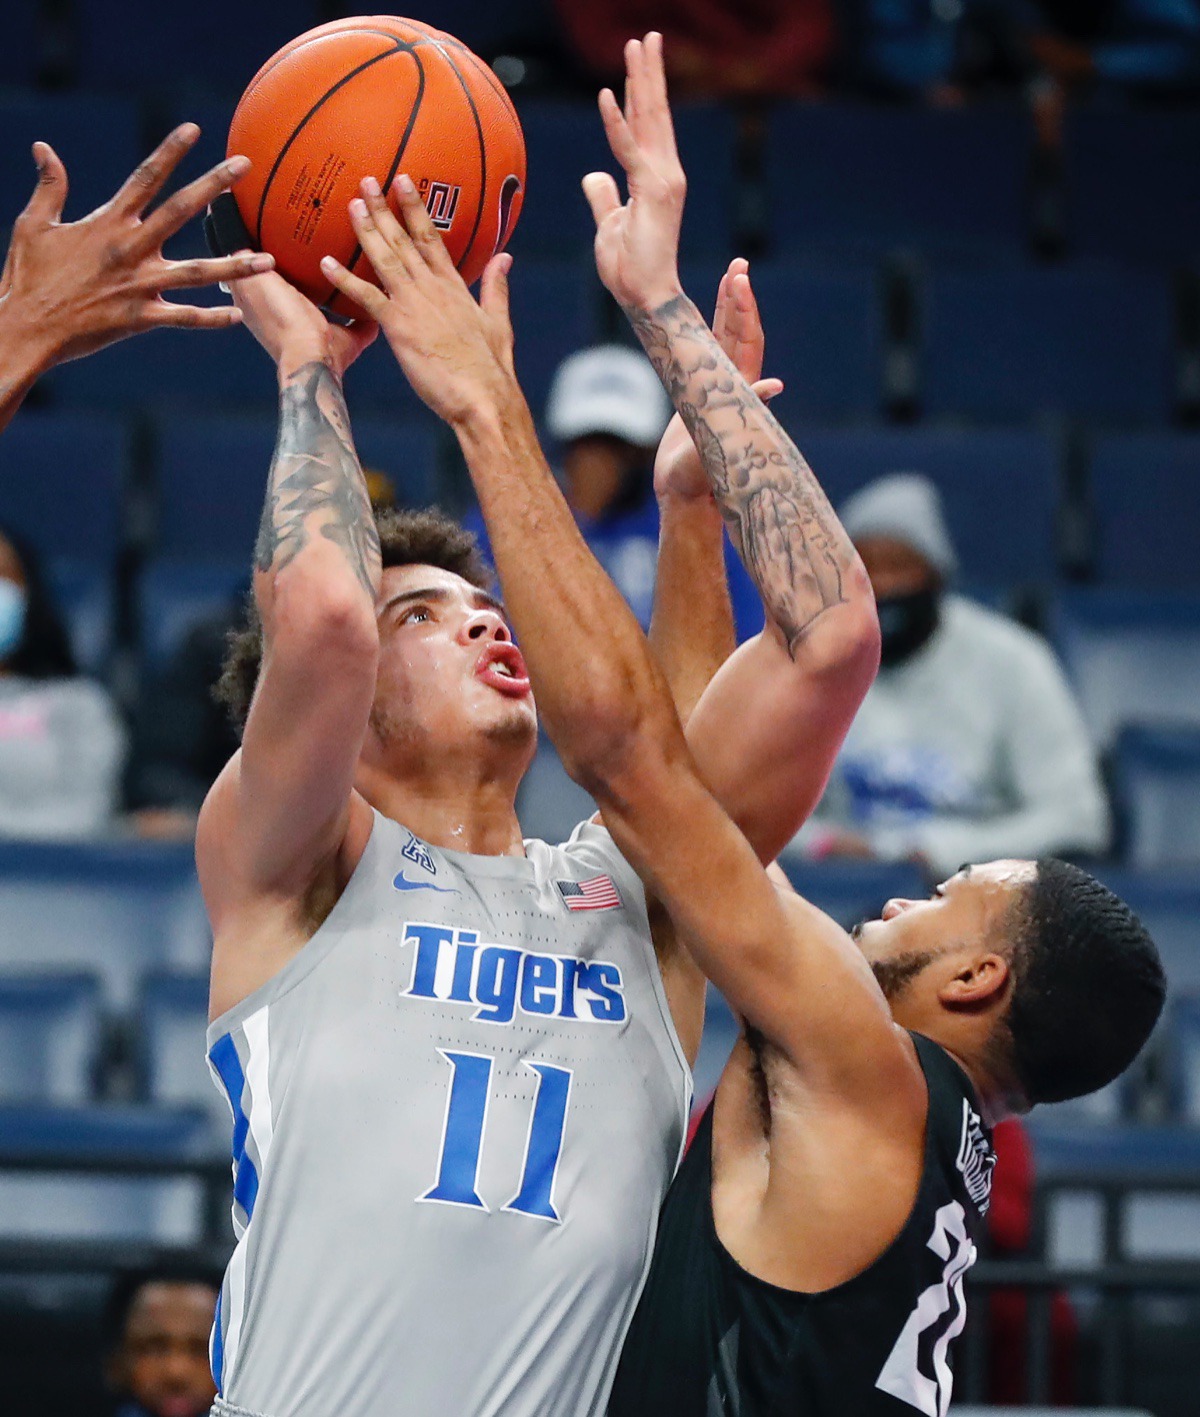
<point x="959" y="1138"/>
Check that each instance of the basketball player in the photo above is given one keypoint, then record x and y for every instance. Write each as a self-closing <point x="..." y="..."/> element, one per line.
<point x="453" y="1056"/>
<point x="812" y="1249"/>
<point x="68" y="289"/>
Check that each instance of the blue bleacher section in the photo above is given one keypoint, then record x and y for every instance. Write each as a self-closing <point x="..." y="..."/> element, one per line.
<point x="845" y="178"/>
<point x="50" y="1036"/>
<point x="1168" y="904"/>
<point x="1183" y="1077"/>
<point x="851" y="891"/>
<point x="173" y="1020"/>
<point x="1013" y="473"/>
<point x="1007" y="344"/>
<point x="1131" y="657"/>
<point x="174" y="597"/>
<point x="1133" y="185"/>
<point x="115" y="909"/>
<point x="96" y="135"/>
<point x="99" y="1207"/>
<point x="1157" y="778"/>
<point x="1144" y="494"/>
<point x="21" y="53"/>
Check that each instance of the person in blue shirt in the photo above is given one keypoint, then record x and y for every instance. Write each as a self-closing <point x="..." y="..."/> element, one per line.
<point x="605" y="414"/>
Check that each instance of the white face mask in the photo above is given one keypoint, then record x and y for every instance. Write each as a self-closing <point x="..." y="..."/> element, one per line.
<point x="13" y="605"/>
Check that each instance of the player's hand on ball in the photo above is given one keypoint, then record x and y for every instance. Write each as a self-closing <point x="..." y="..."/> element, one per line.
<point x="292" y="330"/>
<point x="455" y="352"/>
<point x="637" y="244"/>
<point x="85" y="284"/>
<point x="678" y="471"/>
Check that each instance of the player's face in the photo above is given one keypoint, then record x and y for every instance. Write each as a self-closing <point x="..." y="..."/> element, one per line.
<point x="163" y="1362"/>
<point x="963" y="914"/>
<point x="449" y="672"/>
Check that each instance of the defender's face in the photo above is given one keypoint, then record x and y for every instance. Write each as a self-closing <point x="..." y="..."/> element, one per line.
<point x="449" y="671"/>
<point x="163" y="1361"/>
<point x="963" y="912"/>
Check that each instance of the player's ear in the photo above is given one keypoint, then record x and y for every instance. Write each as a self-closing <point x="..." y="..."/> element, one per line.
<point x="978" y="983"/>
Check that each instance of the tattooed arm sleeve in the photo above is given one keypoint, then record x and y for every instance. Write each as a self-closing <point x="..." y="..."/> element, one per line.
<point x="316" y="487"/>
<point x="780" y="520"/>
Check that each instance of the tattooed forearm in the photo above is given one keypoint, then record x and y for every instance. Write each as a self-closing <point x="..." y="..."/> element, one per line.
<point x="781" y="522"/>
<point x="316" y="484"/>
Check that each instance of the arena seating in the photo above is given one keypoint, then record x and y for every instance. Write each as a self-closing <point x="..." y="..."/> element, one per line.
<point x="96" y="135"/>
<point x="1144" y="500"/>
<point x="1156" y="774"/>
<point x="50" y="1036"/>
<point x="173" y="1020"/>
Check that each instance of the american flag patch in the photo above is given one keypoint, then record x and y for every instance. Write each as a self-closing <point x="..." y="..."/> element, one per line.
<point x="598" y="893"/>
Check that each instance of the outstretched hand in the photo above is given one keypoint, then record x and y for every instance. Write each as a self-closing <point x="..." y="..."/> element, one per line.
<point x="81" y="285"/>
<point x="637" y="243"/>
<point x="678" y="471"/>
<point x="292" y="330"/>
<point x="456" y="353"/>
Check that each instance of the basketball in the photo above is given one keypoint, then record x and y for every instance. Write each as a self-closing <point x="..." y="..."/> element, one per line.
<point x="375" y="96"/>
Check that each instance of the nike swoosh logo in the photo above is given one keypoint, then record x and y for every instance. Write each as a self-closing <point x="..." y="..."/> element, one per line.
<point x="402" y="883"/>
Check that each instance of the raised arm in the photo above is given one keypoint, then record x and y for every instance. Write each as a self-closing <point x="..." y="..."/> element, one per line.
<point x="789" y="970"/>
<point x="70" y="288"/>
<point x="280" y="811"/>
<point x="766" y="733"/>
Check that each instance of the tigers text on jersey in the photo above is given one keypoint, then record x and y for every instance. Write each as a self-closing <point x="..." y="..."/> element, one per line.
<point x="710" y="1339"/>
<point x="456" y="1114"/>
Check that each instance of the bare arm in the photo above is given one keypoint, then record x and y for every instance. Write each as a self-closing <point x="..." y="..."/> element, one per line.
<point x="788" y="969"/>
<point x="282" y="807"/>
<point x="789" y="698"/>
<point x="69" y="289"/>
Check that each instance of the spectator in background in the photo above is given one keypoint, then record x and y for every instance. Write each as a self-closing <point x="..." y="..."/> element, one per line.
<point x="969" y="746"/>
<point x="157" y="1328"/>
<point x="905" y="48"/>
<point x="607" y="412"/>
<point x="62" y="744"/>
<point x="713" y="47"/>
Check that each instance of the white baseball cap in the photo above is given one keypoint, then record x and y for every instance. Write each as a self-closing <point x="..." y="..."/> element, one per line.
<point x="609" y="389"/>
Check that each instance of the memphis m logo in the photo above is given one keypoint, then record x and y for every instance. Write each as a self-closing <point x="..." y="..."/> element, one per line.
<point x="453" y="967"/>
<point x="441" y="201"/>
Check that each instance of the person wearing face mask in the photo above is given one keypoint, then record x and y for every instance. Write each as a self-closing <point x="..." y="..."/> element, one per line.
<point x="61" y="741"/>
<point x="970" y="744"/>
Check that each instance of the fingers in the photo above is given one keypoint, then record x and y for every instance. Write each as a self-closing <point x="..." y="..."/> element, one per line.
<point x="193" y="317"/>
<point x="184" y="275"/>
<point x="493" y="300"/>
<point x="745" y="340"/>
<point x="720" y="325"/>
<point x="419" y="225"/>
<point x="767" y="389"/>
<point x="380" y="213"/>
<point x="50" y="194"/>
<point x="603" y="196"/>
<point x="366" y="296"/>
<point x="189" y="201"/>
<point x="146" y="180"/>
<point x="620" y="137"/>
<point x="395" y="261"/>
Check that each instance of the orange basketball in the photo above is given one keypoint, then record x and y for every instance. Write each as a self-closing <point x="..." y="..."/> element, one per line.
<point x="373" y="97"/>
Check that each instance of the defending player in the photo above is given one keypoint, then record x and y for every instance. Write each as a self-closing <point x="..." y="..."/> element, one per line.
<point x="452" y="1056"/>
<point x="69" y="289"/>
<point x="813" y="1247"/>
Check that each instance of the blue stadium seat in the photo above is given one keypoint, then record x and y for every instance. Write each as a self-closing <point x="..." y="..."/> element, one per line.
<point x="1157" y="779"/>
<point x="115" y="909"/>
<point x="856" y="178"/>
<point x="50" y="1034"/>
<point x="155" y="47"/>
<point x="83" y="595"/>
<point x="1183" y="1056"/>
<point x="1132" y="657"/>
<point x="1000" y="487"/>
<point x="824" y="325"/>
<point x="21" y="54"/>
<point x="1149" y="159"/>
<point x="61" y="1205"/>
<point x="1009" y="343"/>
<point x="172" y="1023"/>
<point x="61" y="479"/>
<point x="565" y="141"/>
<point x="1145" y="505"/>
<point x="213" y="476"/>
<point x="96" y="136"/>
<point x="720" y="1034"/>
<point x="851" y="891"/>
<point x="1168" y="904"/>
<point x="174" y="597"/>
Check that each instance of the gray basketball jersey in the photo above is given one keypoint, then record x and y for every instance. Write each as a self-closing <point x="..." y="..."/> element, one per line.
<point x="456" y="1115"/>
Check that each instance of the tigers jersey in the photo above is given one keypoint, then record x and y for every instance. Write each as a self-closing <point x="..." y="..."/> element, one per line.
<point x="456" y="1114"/>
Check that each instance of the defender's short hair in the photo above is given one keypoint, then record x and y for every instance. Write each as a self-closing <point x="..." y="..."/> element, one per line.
<point x="1089" y="985"/>
<point x="425" y="538"/>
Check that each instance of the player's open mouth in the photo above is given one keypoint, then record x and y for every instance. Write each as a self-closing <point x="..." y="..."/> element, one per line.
<point x="502" y="667"/>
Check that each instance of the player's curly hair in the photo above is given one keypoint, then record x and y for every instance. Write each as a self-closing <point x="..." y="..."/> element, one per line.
<point x="424" y="538"/>
<point x="1089" y="985"/>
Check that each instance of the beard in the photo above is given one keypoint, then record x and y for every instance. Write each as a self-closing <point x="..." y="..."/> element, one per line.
<point x="895" y="975"/>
